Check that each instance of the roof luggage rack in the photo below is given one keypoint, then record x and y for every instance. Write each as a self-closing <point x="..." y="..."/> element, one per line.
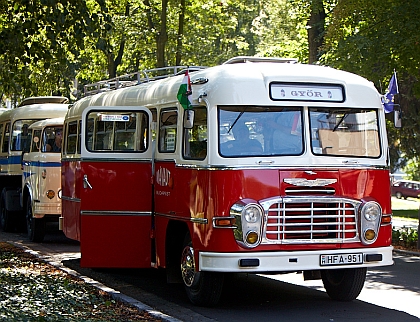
<point x="137" y="78"/>
<point x="252" y="59"/>
<point x="44" y="100"/>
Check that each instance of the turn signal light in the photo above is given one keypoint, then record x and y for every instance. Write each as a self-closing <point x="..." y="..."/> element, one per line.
<point x="370" y="234"/>
<point x="252" y="238"/>
<point x="386" y="219"/>
<point x="224" y="222"/>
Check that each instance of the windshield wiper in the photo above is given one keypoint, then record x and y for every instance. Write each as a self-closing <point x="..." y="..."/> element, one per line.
<point x="237" y="119"/>
<point x="341" y="121"/>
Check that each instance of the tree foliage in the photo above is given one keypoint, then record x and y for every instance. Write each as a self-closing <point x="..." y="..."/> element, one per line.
<point x="46" y="44"/>
<point x="36" y="53"/>
<point x="374" y="38"/>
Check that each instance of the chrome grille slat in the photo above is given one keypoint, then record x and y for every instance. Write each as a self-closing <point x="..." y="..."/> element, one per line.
<point x="310" y="219"/>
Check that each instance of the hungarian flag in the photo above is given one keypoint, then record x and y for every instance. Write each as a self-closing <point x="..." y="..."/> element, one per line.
<point x="185" y="92"/>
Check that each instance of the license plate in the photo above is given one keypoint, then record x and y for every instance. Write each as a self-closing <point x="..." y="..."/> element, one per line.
<point x="341" y="259"/>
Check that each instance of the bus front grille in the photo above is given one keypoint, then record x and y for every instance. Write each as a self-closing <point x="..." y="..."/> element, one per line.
<point x="310" y="220"/>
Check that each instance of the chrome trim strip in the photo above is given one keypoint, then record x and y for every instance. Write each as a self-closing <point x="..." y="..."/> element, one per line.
<point x="114" y="213"/>
<point x="212" y="167"/>
<point x="199" y="220"/>
<point x="68" y="159"/>
<point x="125" y="160"/>
<point x="71" y="199"/>
<point x="304" y="191"/>
<point x="203" y="221"/>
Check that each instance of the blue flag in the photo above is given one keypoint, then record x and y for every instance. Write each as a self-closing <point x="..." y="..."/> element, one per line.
<point x="388" y="99"/>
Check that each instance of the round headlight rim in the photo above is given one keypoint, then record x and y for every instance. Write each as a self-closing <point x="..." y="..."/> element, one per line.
<point x="259" y="213"/>
<point x="369" y="205"/>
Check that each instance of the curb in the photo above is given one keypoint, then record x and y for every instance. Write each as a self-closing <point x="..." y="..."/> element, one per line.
<point x="116" y="295"/>
<point x="406" y="252"/>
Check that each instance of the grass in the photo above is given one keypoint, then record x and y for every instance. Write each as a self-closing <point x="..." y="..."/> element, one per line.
<point x="406" y="208"/>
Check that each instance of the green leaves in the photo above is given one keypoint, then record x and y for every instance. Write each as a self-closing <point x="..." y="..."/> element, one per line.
<point x="31" y="290"/>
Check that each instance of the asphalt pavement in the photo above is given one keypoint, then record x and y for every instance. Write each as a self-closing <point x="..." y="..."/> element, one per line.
<point x="68" y="251"/>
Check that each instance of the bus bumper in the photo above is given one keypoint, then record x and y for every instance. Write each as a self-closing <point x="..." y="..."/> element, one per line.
<point x="283" y="261"/>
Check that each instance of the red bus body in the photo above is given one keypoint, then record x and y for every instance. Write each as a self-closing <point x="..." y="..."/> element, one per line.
<point x="177" y="195"/>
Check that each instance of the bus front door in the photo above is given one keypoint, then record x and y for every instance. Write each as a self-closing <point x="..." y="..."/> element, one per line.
<point x="116" y="192"/>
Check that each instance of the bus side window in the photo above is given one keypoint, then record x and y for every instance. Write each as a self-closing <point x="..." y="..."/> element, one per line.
<point x="35" y="145"/>
<point x="89" y="136"/>
<point x="195" y="139"/>
<point x="167" y="130"/>
<point x="79" y="137"/>
<point x="1" y="132"/>
<point x="6" y="138"/>
<point x="125" y="134"/>
<point x="154" y="122"/>
<point x="71" y="140"/>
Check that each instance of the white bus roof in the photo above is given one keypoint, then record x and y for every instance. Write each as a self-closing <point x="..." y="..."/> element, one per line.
<point x="48" y="122"/>
<point x="240" y="83"/>
<point x="44" y="100"/>
<point x="35" y="111"/>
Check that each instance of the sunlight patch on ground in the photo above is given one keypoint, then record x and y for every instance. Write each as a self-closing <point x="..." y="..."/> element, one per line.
<point x="402" y="204"/>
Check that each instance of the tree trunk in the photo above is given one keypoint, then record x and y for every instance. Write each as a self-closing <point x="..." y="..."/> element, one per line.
<point x="180" y="34"/>
<point x="114" y="62"/>
<point x="316" y="24"/>
<point x="162" y="36"/>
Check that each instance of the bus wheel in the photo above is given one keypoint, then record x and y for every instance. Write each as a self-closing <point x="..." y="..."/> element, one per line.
<point x="343" y="284"/>
<point x="5" y="217"/>
<point x="203" y="288"/>
<point x="35" y="226"/>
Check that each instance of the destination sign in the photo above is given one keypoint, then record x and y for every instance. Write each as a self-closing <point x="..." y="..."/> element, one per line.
<point x="114" y="118"/>
<point x="306" y="92"/>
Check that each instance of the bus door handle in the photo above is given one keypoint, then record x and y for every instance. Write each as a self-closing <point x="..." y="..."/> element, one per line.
<point x="86" y="182"/>
<point x="265" y="162"/>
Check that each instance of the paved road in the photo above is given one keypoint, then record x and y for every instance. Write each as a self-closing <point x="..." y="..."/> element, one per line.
<point x="390" y="294"/>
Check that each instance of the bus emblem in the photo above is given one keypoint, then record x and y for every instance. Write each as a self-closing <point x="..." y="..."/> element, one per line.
<point x="302" y="182"/>
<point x="163" y="177"/>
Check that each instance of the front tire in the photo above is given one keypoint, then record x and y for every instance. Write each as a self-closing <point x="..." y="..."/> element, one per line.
<point x="203" y="288"/>
<point x="35" y="226"/>
<point x="398" y="195"/>
<point x="344" y="284"/>
<point x="5" y="217"/>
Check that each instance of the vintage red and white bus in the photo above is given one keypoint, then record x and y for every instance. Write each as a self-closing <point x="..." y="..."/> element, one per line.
<point x="41" y="180"/>
<point x="15" y="140"/>
<point x="275" y="167"/>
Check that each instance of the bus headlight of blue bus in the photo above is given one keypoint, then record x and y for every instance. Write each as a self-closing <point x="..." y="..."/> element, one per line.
<point x="370" y="218"/>
<point x="248" y="216"/>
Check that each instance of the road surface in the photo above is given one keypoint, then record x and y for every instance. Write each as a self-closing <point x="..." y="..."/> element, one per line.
<point x="390" y="294"/>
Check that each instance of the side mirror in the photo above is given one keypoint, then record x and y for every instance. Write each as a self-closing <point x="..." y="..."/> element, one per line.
<point x="189" y="119"/>
<point x="397" y="118"/>
<point x="36" y="140"/>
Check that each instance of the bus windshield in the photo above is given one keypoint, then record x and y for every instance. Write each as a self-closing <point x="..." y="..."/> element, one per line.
<point x="344" y="132"/>
<point x="260" y="131"/>
<point x="278" y="131"/>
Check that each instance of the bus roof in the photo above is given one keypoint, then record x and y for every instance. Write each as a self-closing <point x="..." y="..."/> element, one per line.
<point x="240" y="82"/>
<point x="36" y="111"/>
<point x="48" y="122"/>
<point x="44" y="100"/>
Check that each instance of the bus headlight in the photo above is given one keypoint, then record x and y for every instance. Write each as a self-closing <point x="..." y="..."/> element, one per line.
<point x="248" y="219"/>
<point x="252" y="214"/>
<point x="371" y="211"/>
<point x="370" y="220"/>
